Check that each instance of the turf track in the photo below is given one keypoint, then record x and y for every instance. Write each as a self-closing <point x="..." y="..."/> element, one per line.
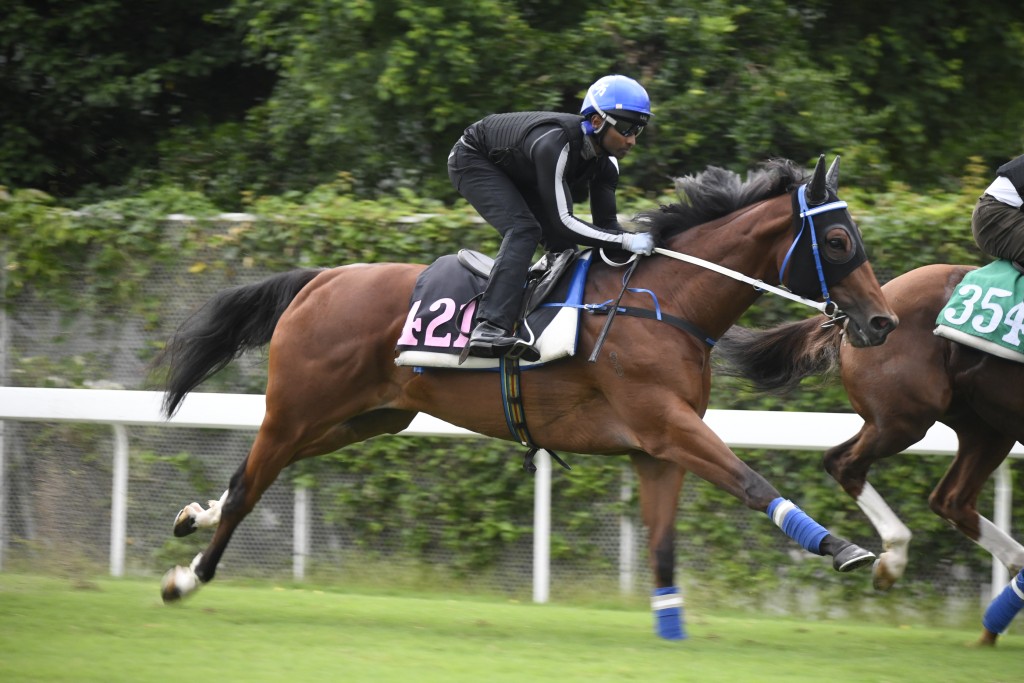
<point x="118" y="630"/>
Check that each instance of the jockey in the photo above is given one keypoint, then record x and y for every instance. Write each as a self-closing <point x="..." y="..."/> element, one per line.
<point x="521" y="171"/>
<point x="998" y="220"/>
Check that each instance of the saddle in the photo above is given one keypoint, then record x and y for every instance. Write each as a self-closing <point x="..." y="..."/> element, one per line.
<point x="986" y="311"/>
<point x="540" y="279"/>
<point x="444" y="300"/>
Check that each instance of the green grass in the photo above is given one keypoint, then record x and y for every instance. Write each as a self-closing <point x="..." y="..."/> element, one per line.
<point x="118" y="630"/>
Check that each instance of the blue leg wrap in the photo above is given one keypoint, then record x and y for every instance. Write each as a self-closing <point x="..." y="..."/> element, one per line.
<point x="1004" y="608"/>
<point x="667" y="605"/>
<point x="795" y="523"/>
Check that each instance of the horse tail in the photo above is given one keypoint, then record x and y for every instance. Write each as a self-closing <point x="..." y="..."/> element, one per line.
<point x="776" y="359"/>
<point x="235" y="320"/>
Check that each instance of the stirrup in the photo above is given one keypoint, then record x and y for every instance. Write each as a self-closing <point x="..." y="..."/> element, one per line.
<point x="523" y="351"/>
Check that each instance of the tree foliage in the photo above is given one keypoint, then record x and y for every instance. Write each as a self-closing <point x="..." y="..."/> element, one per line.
<point x="264" y="96"/>
<point x="88" y="88"/>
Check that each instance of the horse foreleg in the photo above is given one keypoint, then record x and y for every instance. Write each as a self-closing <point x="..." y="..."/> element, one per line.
<point x="849" y="462"/>
<point x="892" y="561"/>
<point x="956" y="496"/>
<point x="659" y="485"/>
<point x="691" y="444"/>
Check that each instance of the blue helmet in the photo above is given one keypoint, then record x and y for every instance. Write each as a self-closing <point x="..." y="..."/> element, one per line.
<point x="616" y="93"/>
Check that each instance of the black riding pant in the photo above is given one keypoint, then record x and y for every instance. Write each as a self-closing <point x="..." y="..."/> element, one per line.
<point x="500" y="203"/>
<point x="998" y="229"/>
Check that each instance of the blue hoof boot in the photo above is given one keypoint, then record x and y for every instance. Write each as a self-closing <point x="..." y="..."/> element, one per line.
<point x="667" y="605"/>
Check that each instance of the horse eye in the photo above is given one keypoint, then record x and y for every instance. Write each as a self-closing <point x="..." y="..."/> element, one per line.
<point x="839" y="245"/>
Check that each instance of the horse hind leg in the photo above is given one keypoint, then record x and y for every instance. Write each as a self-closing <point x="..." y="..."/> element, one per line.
<point x="271" y="452"/>
<point x="955" y="498"/>
<point x="359" y="428"/>
<point x="193" y="517"/>
<point x="260" y="468"/>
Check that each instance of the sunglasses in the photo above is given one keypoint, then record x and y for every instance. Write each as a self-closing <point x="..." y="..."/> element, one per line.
<point x="625" y="128"/>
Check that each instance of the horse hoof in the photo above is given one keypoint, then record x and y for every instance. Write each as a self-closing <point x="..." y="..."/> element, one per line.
<point x="880" y="579"/>
<point x="169" y="591"/>
<point x="884" y="574"/>
<point x="852" y="557"/>
<point x="987" y="639"/>
<point x="889" y="567"/>
<point x="185" y="523"/>
<point x="177" y="583"/>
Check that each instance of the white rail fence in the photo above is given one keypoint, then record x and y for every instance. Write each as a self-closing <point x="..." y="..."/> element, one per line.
<point x="739" y="429"/>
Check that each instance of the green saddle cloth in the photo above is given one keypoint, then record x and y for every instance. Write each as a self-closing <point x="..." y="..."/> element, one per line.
<point x="987" y="311"/>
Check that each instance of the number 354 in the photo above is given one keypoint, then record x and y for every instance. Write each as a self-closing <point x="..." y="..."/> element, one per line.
<point x="991" y="312"/>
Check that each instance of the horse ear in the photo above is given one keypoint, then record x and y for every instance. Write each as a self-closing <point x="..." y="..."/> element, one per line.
<point x="816" y="193"/>
<point x="832" y="177"/>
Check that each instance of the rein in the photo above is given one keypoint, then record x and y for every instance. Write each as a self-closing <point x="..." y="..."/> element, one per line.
<point x="827" y="307"/>
<point x="822" y="306"/>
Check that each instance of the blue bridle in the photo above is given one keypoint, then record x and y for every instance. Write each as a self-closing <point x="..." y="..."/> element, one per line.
<point x="807" y="218"/>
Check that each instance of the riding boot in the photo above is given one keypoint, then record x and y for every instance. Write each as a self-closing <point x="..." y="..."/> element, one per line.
<point x="502" y="301"/>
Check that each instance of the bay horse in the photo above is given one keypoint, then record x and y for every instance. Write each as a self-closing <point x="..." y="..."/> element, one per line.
<point x="900" y="390"/>
<point x="333" y="380"/>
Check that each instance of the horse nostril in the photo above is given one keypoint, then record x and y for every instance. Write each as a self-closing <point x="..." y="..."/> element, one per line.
<point x="882" y="323"/>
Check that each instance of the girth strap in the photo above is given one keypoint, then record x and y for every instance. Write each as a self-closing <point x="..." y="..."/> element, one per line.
<point x="679" y="323"/>
<point x="515" y="414"/>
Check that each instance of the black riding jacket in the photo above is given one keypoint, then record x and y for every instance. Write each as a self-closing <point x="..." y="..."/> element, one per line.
<point x="552" y="163"/>
<point x="1014" y="170"/>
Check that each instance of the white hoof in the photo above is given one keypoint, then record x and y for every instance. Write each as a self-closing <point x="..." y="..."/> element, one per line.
<point x="185" y="522"/>
<point x="178" y="583"/>
<point x="888" y="569"/>
<point x="193" y="517"/>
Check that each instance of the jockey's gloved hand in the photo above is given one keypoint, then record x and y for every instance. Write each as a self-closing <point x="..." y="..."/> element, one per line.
<point x="638" y="242"/>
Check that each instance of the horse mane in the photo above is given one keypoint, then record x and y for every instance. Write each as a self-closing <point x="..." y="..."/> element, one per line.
<point x="716" y="192"/>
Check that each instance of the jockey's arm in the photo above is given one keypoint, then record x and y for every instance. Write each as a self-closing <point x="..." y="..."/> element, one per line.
<point x="550" y="156"/>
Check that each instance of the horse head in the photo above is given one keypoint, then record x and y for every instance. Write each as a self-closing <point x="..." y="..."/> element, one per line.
<point x="818" y="251"/>
<point x="840" y="263"/>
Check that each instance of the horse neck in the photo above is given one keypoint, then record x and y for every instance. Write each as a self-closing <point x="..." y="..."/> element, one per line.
<point x="752" y="241"/>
